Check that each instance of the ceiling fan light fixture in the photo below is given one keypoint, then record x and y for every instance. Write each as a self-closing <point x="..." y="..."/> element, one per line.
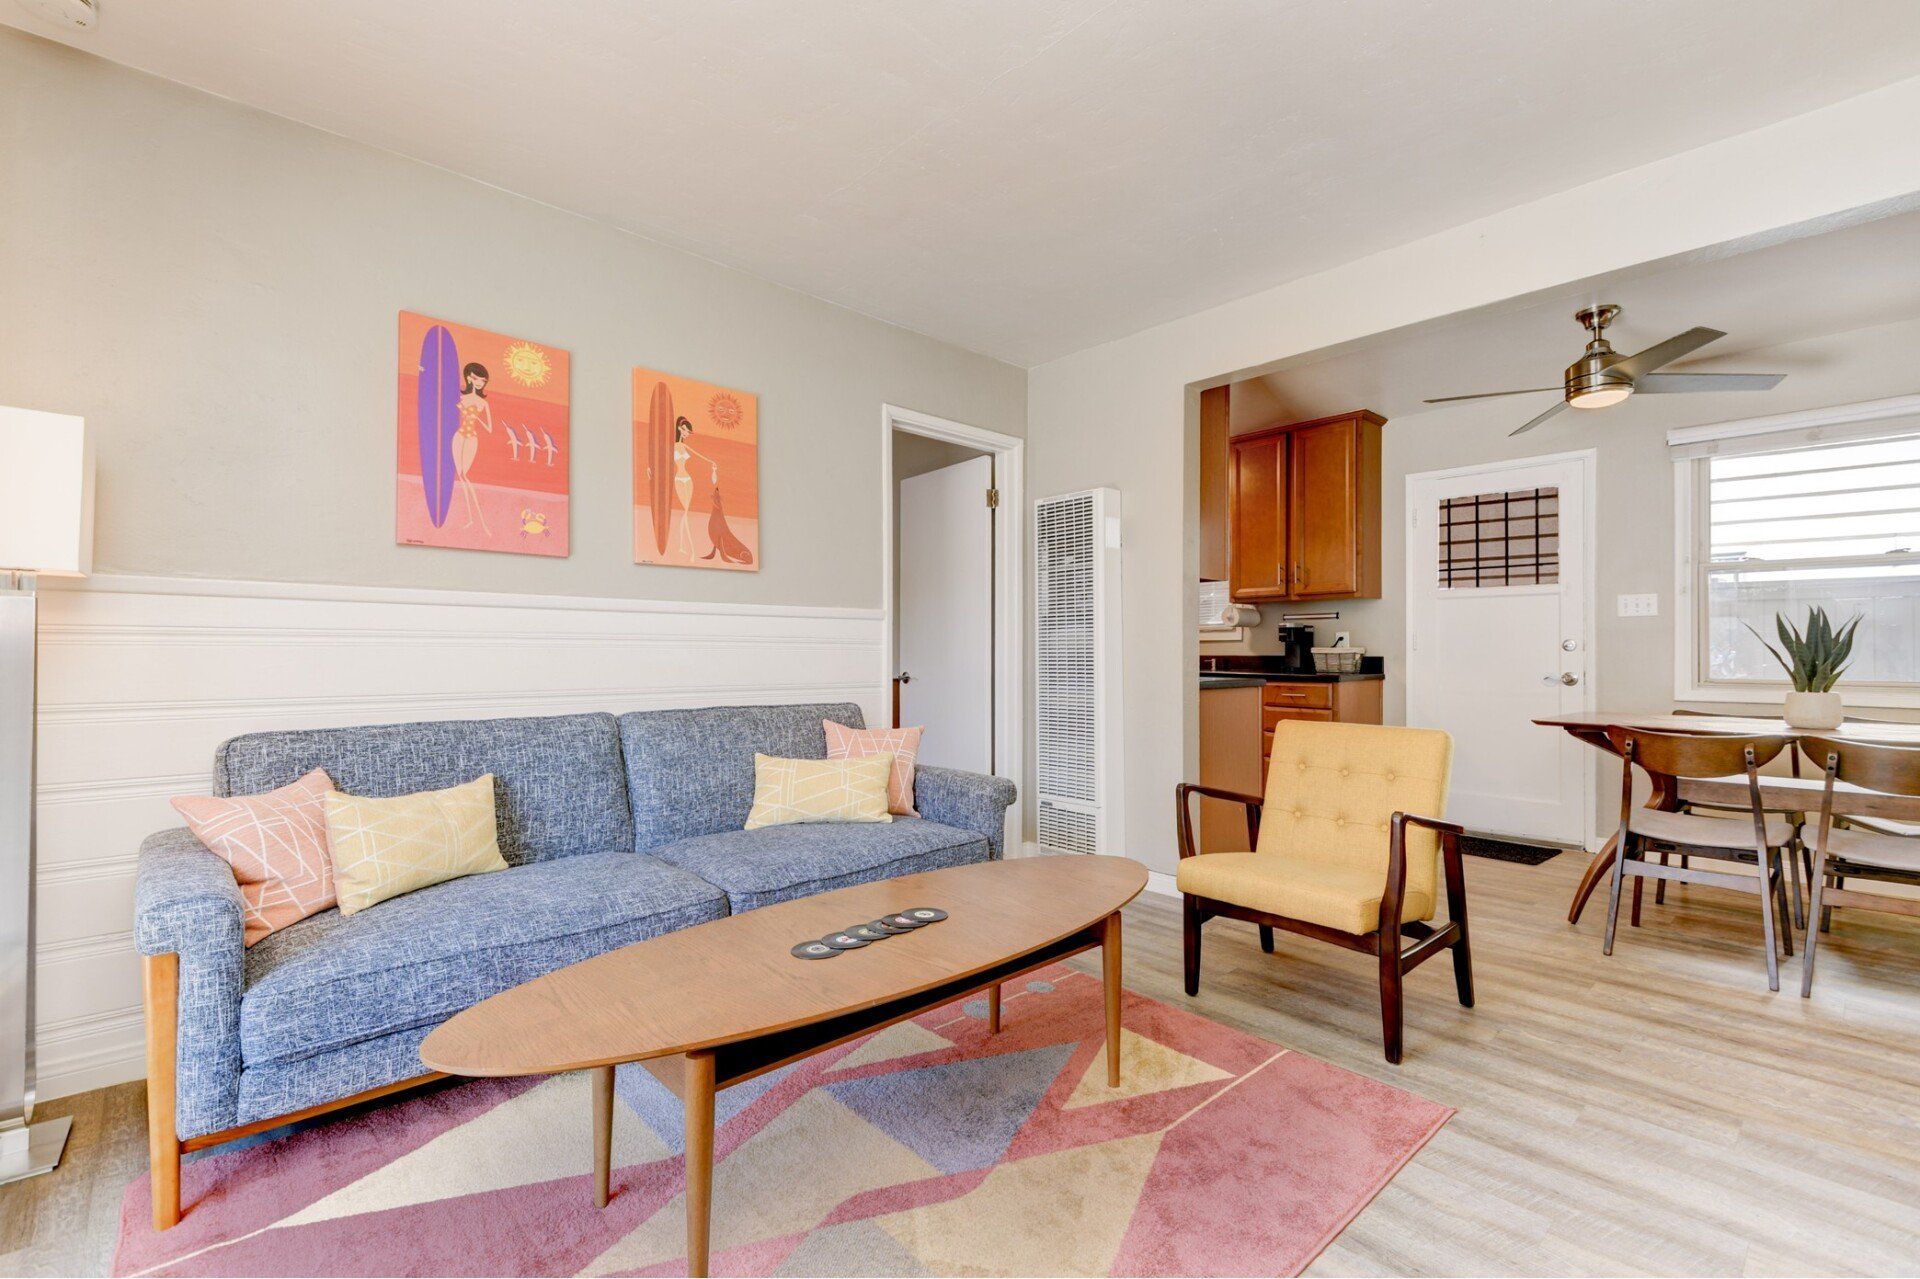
<point x="1599" y="397"/>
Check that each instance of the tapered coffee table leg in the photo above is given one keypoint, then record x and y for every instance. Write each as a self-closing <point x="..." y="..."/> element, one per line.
<point x="993" y="1010"/>
<point x="699" y="1100"/>
<point x="602" y="1134"/>
<point x="1110" y="978"/>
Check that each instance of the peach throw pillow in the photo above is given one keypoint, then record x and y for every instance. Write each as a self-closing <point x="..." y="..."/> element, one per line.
<point x="277" y="846"/>
<point x="901" y="743"/>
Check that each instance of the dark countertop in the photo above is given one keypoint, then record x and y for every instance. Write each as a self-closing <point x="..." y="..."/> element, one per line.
<point x="1245" y="679"/>
<point x="1266" y="670"/>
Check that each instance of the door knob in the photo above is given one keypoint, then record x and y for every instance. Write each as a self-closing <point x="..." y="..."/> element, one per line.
<point x="905" y="678"/>
<point x="1569" y="678"/>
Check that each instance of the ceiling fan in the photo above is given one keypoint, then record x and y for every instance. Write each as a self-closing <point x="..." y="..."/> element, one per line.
<point x="1602" y="376"/>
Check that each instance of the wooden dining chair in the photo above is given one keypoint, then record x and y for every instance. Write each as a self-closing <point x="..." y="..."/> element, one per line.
<point x="1346" y="847"/>
<point x="1847" y="855"/>
<point x="1761" y="841"/>
<point x="1799" y="857"/>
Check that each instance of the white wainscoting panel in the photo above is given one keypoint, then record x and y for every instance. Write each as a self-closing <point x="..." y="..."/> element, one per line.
<point x="141" y="678"/>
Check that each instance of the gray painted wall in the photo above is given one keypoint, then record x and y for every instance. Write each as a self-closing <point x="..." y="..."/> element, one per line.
<point x="216" y="289"/>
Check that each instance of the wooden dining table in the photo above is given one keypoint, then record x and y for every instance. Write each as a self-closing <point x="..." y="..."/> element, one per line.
<point x="1781" y="791"/>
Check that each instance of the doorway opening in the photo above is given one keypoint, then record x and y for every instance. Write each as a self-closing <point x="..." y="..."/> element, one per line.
<point x="952" y="512"/>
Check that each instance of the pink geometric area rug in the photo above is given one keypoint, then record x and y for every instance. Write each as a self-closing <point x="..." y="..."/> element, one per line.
<point x="930" y="1147"/>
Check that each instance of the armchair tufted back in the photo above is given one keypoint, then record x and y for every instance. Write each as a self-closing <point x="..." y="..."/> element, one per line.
<point x="1332" y="789"/>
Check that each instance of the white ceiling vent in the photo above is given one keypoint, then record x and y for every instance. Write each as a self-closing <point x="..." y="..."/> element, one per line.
<point x="1077" y="671"/>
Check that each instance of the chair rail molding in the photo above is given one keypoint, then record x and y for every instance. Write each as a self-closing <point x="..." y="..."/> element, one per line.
<point x="141" y="678"/>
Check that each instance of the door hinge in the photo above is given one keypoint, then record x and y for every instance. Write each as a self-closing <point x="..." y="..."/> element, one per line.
<point x="993" y="499"/>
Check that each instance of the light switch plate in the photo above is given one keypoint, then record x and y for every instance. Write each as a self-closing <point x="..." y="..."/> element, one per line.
<point x="1639" y="605"/>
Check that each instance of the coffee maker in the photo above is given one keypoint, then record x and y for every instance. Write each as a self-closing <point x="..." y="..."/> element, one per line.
<point x="1296" y="639"/>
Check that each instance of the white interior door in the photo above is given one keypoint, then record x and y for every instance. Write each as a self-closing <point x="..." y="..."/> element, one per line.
<point x="946" y="613"/>
<point x="1498" y="633"/>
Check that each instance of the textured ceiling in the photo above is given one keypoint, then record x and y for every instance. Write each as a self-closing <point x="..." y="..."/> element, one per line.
<point x="1023" y="177"/>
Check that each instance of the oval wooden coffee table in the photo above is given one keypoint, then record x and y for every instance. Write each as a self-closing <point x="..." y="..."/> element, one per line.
<point x="723" y="1002"/>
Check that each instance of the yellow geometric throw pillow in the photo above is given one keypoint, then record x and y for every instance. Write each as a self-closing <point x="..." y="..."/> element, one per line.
<point x="385" y="847"/>
<point x="819" y="790"/>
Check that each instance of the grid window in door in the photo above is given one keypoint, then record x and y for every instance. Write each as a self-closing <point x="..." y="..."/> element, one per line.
<point x="1501" y="539"/>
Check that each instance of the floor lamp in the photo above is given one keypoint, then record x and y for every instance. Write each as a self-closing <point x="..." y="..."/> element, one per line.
<point x="46" y="529"/>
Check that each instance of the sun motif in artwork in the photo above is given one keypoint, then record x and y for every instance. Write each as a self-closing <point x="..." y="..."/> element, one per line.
<point x="527" y="364"/>
<point x="725" y="411"/>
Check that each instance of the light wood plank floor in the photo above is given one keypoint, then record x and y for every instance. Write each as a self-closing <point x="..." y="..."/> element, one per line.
<point x="1656" y="1112"/>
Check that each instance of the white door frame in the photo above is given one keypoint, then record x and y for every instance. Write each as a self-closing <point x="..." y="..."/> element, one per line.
<point x="1009" y="657"/>
<point x="1588" y="460"/>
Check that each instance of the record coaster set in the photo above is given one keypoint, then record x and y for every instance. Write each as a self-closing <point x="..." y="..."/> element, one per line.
<point x="858" y="935"/>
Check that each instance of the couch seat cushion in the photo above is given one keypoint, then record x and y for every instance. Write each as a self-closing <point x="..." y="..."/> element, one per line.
<point x="775" y="863"/>
<point x="335" y="980"/>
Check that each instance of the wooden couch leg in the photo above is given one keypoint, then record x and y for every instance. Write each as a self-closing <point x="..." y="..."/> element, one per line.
<point x="162" y="974"/>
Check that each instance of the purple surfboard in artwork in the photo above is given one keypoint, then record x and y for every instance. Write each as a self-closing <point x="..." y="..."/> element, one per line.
<point x="439" y="413"/>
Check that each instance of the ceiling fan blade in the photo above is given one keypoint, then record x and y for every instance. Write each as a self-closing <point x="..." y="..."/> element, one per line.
<point x="1643" y="362"/>
<point x="1491" y="395"/>
<point x="1538" y="420"/>
<point x="1676" y="383"/>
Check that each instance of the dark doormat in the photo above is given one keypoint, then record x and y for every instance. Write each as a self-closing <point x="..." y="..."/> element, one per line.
<point x="1504" y="850"/>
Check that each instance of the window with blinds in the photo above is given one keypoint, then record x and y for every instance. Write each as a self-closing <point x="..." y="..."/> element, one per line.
<point x="1835" y="525"/>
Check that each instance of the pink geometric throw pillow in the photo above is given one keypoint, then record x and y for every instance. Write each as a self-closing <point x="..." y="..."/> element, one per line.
<point x="902" y="743"/>
<point x="277" y="846"/>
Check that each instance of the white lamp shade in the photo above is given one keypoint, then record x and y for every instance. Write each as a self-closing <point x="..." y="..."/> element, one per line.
<point x="46" y="493"/>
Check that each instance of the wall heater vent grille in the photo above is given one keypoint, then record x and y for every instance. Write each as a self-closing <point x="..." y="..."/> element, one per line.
<point x="1076" y="670"/>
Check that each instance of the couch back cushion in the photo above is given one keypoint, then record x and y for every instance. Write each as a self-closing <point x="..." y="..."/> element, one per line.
<point x="691" y="772"/>
<point x="558" y="786"/>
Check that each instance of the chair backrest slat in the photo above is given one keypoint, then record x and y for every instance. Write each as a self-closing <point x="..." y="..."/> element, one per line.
<point x="1693" y="755"/>
<point x="1893" y="770"/>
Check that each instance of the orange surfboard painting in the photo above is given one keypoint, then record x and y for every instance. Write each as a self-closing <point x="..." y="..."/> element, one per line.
<point x="696" y="474"/>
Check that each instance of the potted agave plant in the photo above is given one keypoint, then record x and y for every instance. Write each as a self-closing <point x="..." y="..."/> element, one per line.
<point x="1814" y="660"/>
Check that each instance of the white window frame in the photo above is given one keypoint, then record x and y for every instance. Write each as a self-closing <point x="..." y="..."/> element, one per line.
<point x="1690" y="514"/>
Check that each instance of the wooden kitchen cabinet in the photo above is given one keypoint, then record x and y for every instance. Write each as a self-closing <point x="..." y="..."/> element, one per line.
<point x="1256" y="517"/>
<point x="1303" y="510"/>
<point x="1230" y="758"/>
<point x="1215" y="430"/>
<point x="1341" y="702"/>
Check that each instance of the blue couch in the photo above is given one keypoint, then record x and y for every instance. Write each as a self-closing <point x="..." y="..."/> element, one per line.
<point x="615" y="830"/>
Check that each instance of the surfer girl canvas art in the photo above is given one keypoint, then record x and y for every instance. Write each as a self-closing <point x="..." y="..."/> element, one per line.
<point x="483" y="447"/>
<point x="696" y="474"/>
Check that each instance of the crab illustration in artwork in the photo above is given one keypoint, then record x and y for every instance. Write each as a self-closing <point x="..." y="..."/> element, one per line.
<point x="535" y="523"/>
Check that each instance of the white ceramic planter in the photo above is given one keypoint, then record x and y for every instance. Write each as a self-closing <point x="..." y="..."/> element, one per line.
<point x="1814" y="710"/>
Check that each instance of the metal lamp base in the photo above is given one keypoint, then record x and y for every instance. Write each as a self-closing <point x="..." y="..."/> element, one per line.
<point x="31" y="1149"/>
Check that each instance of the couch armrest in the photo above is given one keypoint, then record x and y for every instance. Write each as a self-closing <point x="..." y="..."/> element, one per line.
<point x="186" y="902"/>
<point x="185" y="898"/>
<point x="970" y="801"/>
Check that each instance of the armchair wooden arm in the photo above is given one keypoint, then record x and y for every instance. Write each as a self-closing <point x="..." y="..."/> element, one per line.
<point x="1184" y="812"/>
<point x="1394" y="962"/>
<point x="1390" y="902"/>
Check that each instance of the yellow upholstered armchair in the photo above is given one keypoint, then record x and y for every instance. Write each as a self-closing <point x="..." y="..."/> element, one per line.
<point x="1347" y="848"/>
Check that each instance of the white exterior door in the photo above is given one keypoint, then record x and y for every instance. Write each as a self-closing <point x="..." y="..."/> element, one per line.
<point x="946" y="614"/>
<point x="1499" y="633"/>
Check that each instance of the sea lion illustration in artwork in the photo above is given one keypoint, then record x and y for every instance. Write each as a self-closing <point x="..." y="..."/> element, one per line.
<point x="728" y="547"/>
